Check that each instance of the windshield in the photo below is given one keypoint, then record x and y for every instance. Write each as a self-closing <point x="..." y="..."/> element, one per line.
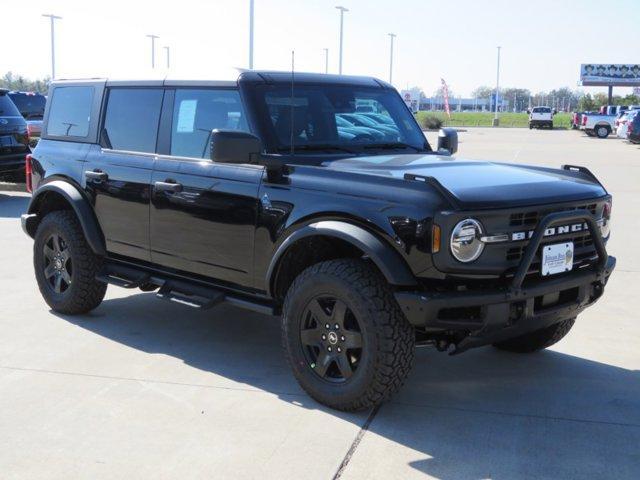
<point x="331" y="118"/>
<point x="7" y="108"/>
<point x="31" y="106"/>
<point x="541" y="110"/>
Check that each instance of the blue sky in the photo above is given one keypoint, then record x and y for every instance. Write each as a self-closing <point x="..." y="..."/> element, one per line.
<point x="543" y="41"/>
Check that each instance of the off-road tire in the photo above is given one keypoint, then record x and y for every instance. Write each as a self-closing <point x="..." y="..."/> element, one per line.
<point x="538" y="340"/>
<point x="388" y="340"/>
<point x="84" y="293"/>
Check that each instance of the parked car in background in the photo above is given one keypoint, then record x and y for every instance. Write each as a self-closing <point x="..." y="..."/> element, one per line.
<point x="14" y="138"/>
<point x="633" y="130"/>
<point x="359" y="133"/>
<point x="598" y="125"/>
<point x="31" y="106"/>
<point x="361" y="120"/>
<point x="622" y="123"/>
<point x="576" y="118"/>
<point x="380" y="118"/>
<point x="541" y="117"/>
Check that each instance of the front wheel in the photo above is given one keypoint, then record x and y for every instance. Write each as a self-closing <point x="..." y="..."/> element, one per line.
<point x="538" y="340"/>
<point x="65" y="266"/>
<point x="347" y="341"/>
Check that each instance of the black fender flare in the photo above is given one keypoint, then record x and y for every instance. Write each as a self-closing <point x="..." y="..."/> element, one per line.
<point x="388" y="261"/>
<point x="80" y="206"/>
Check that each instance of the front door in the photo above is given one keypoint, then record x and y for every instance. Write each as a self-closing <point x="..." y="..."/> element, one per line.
<point x="203" y="214"/>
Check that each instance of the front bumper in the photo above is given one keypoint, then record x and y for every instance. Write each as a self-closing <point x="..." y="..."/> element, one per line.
<point x="478" y="318"/>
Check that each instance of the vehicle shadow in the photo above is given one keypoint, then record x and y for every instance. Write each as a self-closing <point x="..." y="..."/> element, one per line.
<point x="12" y="206"/>
<point x="484" y="414"/>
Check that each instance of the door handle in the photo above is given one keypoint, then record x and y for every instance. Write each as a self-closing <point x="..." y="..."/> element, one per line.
<point x="168" y="187"/>
<point x="96" y="175"/>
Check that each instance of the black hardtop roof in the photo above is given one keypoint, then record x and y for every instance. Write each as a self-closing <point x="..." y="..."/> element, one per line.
<point x="249" y="76"/>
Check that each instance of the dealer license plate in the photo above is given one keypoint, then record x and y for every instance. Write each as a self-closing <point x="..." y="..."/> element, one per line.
<point x="557" y="258"/>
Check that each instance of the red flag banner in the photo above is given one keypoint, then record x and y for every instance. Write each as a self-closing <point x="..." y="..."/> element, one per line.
<point x="445" y="91"/>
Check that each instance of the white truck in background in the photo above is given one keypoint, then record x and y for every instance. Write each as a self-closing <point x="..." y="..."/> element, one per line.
<point x="598" y="125"/>
<point x="540" y="117"/>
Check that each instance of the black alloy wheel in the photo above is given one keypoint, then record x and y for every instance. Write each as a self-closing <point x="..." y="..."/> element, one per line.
<point x="58" y="267"/>
<point x="331" y="338"/>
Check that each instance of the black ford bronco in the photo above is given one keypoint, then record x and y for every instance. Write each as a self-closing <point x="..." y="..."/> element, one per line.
<point x="265" y="192"/>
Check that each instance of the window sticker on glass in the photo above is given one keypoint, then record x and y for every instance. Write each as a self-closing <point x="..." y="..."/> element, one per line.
<point x="187" y="116"/>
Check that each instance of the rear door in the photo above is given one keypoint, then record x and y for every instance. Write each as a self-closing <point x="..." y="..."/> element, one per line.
<point x="203" y="214"/>
<point x="118" y="171"/>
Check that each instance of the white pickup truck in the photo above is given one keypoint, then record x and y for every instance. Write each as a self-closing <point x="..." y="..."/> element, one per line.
<point x="598" y="125"/>
<point x="541" y="117"/>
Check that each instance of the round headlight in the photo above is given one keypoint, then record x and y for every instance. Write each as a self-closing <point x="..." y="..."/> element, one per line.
<point x="465" y="240"/>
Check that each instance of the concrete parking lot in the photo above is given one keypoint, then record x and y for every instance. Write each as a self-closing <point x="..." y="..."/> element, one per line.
<point x="144" y="389"/>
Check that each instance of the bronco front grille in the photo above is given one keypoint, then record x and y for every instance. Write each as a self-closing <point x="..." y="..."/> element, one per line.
<point x="579" y="242"/>
<point x="531" y="218"/>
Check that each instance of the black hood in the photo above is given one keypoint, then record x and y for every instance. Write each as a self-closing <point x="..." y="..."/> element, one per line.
<point x="480" y="184"/>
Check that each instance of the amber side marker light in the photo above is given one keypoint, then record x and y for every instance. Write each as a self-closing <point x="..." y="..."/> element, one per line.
<point x="435" y="238"/>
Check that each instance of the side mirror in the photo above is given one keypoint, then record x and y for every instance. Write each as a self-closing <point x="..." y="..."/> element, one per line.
<point x="528" y="112"/>
<point x="233" y="146"/>
<point x="448" y="140"/>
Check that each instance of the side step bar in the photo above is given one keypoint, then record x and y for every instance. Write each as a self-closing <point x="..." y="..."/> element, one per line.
<point x="123" y="276"/>
<point x="190" y="295"/>
<point x="183" y="292"/>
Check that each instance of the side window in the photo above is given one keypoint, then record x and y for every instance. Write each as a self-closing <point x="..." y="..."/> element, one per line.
<point x="196" y="113"/>
<point x="70" y="112"/>
<point x="131" y="119"/>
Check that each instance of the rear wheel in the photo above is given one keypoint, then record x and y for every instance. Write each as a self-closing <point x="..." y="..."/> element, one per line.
<point x="538" y="340"/>
<point x="602" y="131"/>
<point x="65" y="265"/>
<point x="346" y="339"/>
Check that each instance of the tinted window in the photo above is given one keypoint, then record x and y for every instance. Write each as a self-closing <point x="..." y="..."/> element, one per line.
<point x="541" y="110"/>
<point x="318" y="117"/>
<point x="7" y="108"/>
<point x="70" y="112"/>
<point x="196" y="113"/>
<point x="131" y="120"/>
<point x="31" y="105"/>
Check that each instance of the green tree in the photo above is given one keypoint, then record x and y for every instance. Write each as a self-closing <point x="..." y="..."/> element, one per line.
<point x="483" y="92"/>
<point x="586" y="103"/>
<point x="18" y="82"/>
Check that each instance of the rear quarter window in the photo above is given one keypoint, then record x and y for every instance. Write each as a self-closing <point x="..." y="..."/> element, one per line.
<point x="70" y="112"/>
<point x="7" y="108"/>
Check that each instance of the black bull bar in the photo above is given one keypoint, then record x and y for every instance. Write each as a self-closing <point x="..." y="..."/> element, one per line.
<point x="511" y="311"/>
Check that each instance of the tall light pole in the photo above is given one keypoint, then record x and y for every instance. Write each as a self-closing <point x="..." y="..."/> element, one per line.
<point x="153" y="49"/>
<point x="326" y="60"/>
<point x="168" y="60"/>
<point x="52" y="18"/>
<point x="391" y="36"/>
<point x="251" y="34"/>
<point x="342" y="10"/>
<point x="495" y="118"/>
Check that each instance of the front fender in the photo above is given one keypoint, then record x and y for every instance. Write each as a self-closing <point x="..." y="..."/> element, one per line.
<point x="78" y="204"/>
<point x="388" y="261"/>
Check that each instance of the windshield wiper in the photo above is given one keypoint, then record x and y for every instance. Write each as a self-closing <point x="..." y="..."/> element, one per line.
<point x="316" y="148"/>
<point x="391" y="146"/>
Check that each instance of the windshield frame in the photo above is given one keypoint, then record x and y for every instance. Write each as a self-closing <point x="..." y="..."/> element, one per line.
<point x="261" y="123"/>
